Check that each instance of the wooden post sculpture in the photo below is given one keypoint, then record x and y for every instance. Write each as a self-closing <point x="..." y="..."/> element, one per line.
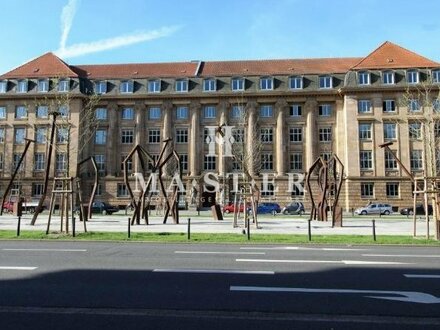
<point x="82" y="215"/>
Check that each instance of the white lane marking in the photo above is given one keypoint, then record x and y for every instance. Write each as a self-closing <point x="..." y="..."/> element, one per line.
<point x="347" y="262"/>
<point x="407" y="296"/>
<point x="218" y="252"/>
<point x="214" y="271"/>
<point x="421" y="276"/>
<point x="17" y="268"/>
<point x="301" y="248"/>
<point x="48" y="250"/>
<point x="403" y="255"/>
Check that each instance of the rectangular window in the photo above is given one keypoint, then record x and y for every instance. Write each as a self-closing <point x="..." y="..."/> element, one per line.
<point x="181" y="85"/>
<point x="41" y="135"/>
<point x="128" y="164"/>
<point x="268" y="190"/>
<point x="266" y="83"/>
<point x="100" y="163"/>
<point x="209" y="111"/>
<point x="436" y="105"/>
<point x="22" y="86"/>
<point x="266" y="135"/>
<point x="325" y="82"/>
<point x="295" y="134"/>
<point x="15" y="160"/>
<point x="127" y="136"/>
<point x="209" y="85"/>
<point x="2" y="135"/>
<point x="416" y="160"/>
<point x="392" y="189"/>
<point x="325" y="134"/>
<point x="366" y="160"/>
<point x="3" y="86"/>
<point x="326" y="156"/>
<point x="154" y="160"/>
<point x="127" y="114"/>
<point x="154" y="113"/>
<point x="389" y="131"/>
<point x="62" y="134"/>
<point x="182" y="112"/>
<point x="415" y="131"/>
<point x="295" y="110"/>
<point x="388" y="78"/>
<point x="121" y="190"/>
<point x="296" y="161"/>
<point x="42" y="111"/>
<point x="297" y="191"/>
<point x="39" y="162"/>
<point x="2" y="161"/>
<point x="237" y="84"/>
<point x="64" y="111"/>
<point x="414" y="105"/>
<point x="20" y="134"/>
<point x="365" y="131"/>
<point x="101" y="136"/>
<point x="37" y="189"/>
<point x="412" y="77"/>
<point x="325" y="110"/>
<point x="63" y="85"/>
<point x="237" y="163"/>
<point x="389" y="106"/>
<point x="101" y="113"/>
<point x="237" y="111"/>
<point x="154" y="136"/>
<point x="20" y="112"/>
<point x="364" y="106"/>
<point x="126" y="86"/>
<point x="2" y="112"/>
<point x="43" y="85"/>
<point x="154" y="86"/>
<point x="390" y="160"/>
<point x="367" y="189"/>
<point x="295" y="82"/>
<point x="209" y="163"/>
<point x="435" y="76"/>
<point x="184" y="162"/>
<point x="181" y="135"/>
<point x="238" y="135"/>
<point x="363" y="78"/>
<point x="266" y="161"/>
<point x="266" y="111"/>
<point x="61" y="162"/>
<point x="101" y="87"/>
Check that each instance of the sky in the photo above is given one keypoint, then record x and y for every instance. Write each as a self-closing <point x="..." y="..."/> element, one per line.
<point x="133" y="31"/>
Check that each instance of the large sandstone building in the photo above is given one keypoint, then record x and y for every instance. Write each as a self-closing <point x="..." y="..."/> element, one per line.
<point x="299" y="109"/>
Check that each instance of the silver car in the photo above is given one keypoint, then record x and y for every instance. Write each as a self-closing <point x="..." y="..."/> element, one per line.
<point x="375" y="208"/>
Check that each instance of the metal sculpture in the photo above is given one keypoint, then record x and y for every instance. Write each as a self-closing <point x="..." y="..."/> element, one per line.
<point x="329" y="180"/>
<point x="142" y="204"/>
<point x="82" y="215"/>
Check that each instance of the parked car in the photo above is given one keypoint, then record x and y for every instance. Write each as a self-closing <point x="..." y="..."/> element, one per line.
<point x="375" y="208"/>
<point x="101" y="208"/>
<point x="293" y="208"/>
<point x="30" y="206"/>
<point x="267" y="207"/>
<point x="230" y="208"/>
<point x="420" y="209"/>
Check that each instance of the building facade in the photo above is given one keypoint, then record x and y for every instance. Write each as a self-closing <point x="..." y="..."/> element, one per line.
<point x="290" y="112"/>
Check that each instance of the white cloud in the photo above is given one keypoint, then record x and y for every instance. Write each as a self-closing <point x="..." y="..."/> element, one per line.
<point x="115" y="42"/>
<point x="67" y="16"/>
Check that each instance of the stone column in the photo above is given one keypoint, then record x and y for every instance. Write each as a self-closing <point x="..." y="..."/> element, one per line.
<point x="223" y="110"/>
<point x="252" y="134"/>
<point x="139" y="127"/>
<point x="113" y="145"/>
<point x="195" y="152"/>
<point x="167" y="132"/>
<point x="280" y="143"/>
<point x="312" y="132"/>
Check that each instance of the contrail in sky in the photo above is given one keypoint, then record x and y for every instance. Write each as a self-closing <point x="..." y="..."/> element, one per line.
<point x="67" y="16"/>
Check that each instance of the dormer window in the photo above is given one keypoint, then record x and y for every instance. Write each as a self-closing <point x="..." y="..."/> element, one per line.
<point x="3" y="86"/>
<point x="126" y="86"/>
<point x="63" y="85"/>
<point x="296" y="82"/>
<point x="209" y="85"/>
<point x="388" y="77"/>
<point x="237" y="84"/>
<point x="43" y="85"/>
<point x="364" y="78"/>
<point x="435" y="77"/>
<point x="412" y="77"/>
<point x="266" y="84"/>
<point x="22" y="86"/>
<point x="101" y="87"/>
<point x="154" y="86"/>
<point x="325" y="82"/>
<point x="181" y="85"/>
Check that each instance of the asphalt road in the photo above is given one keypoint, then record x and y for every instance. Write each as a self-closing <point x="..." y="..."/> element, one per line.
<point x="91" y="285"/>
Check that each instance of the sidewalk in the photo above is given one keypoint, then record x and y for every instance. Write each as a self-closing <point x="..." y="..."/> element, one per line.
<point x="268" y="224"/>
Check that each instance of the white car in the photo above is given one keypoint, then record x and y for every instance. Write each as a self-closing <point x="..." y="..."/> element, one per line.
<point x="375" y="208"/>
